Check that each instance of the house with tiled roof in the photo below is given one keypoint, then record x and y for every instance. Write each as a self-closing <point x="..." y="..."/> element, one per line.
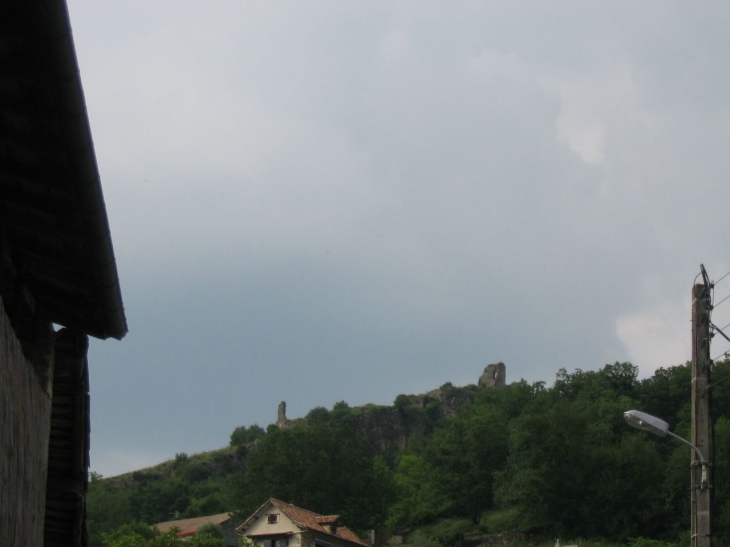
<point x="190" y="527"/>
<point x="279" y="524"/>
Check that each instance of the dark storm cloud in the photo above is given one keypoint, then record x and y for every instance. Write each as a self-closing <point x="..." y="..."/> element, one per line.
<point x="326" y="201"/>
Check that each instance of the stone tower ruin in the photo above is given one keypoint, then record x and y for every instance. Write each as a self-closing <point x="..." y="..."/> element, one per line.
<point x="494" y="375"/>
<point x="281" y="419"/>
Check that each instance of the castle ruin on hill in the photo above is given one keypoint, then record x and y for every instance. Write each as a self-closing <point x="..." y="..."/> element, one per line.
<point x="494" y="376"/>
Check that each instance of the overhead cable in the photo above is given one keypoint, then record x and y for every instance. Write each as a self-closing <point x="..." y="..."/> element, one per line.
<point x="718" y="329"/>
<point x="723" y="277"/>
<point x="721" y="301"/>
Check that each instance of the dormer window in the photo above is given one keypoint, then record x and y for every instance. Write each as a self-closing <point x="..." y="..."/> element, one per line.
<point x="273" y="518"/>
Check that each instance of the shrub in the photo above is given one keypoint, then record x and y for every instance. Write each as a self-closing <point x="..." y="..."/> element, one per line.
<point x="646" y="542"/>
<point x="211" y="529"/>
<point x="402" y="402"/>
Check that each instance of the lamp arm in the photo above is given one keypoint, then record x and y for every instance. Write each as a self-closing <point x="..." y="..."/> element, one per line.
<point x="685" y="441"/>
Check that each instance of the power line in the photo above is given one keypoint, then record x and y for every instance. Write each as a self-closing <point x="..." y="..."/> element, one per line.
<point x="725" y="354"/>
<point x="721" y="301"/>
<point x="715" y="383"/>
<point x="723" y="277"/>
<point x="718" y="329"/>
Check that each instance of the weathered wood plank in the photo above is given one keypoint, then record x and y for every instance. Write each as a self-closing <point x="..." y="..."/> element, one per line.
<point x="24" y="428"/>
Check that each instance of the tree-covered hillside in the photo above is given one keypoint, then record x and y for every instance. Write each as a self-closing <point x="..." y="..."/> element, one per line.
<point x="559" y="459"/>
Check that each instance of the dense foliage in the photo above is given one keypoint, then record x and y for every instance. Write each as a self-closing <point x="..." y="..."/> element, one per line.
<point x="559" y="460"/>
<point x="141" y="535"/>
<point x="323" y="466"/>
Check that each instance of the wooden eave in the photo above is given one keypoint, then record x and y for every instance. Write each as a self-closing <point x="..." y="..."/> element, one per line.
<point x="52" y="214"/>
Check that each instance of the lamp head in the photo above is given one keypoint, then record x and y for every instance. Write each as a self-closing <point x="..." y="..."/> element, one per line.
<point x="646" y="422"/>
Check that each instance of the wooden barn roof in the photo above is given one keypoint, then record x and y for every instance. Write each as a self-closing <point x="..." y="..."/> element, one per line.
<point x="53" y="220"/>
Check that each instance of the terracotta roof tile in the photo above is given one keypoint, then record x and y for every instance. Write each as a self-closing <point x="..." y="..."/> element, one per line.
<point x="310" y="521"/>
<point x="191" y="525"/>
<point x="330" y="519"/>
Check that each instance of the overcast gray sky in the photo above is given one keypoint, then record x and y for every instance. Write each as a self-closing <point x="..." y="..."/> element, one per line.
<point x="327" y="200"/>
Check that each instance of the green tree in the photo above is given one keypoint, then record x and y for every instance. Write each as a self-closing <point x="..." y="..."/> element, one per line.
<point x="318" y="414"/>
<point x="324" y="468"/>
<point x="158" y="499"/>
<point x="107" y="509"/>
<point x="464" y="456"/>
<point x="136" y="534"/>
<point x="341" y="414"/>
<point x="243" y="435"/>
<point x="418" y="500"/>
<point x="721" y="479"/>
<point x="402" y="402"/>
<point x="576" y="467"/>
<point x="666" y="394"/>
<point x="134" y="528"/>
<point x="211" y="529"/>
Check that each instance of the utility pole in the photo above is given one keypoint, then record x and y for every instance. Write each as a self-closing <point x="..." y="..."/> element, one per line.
<point x="701" y="419"/>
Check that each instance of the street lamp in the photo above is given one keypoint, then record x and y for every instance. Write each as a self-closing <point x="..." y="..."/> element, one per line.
<point x="701" y="498"/>
<point x="660" y="428"/>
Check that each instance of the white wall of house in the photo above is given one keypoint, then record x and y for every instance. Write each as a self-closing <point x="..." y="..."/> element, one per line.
<point x="312" y="539"/>
<point x="262" y="526"/>
<point x="284" y="526"/>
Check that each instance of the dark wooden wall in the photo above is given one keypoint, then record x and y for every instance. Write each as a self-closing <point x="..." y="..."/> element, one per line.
<point x="25" y="408"/>
<point x="68" y="450"/>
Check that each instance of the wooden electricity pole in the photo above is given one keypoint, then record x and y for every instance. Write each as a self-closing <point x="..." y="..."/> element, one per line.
<point x="701" y="474"/>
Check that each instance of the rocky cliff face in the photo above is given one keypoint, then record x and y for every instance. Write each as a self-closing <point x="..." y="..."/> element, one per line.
<point x="389" y="429"/>
<point x="385" y="428"/>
